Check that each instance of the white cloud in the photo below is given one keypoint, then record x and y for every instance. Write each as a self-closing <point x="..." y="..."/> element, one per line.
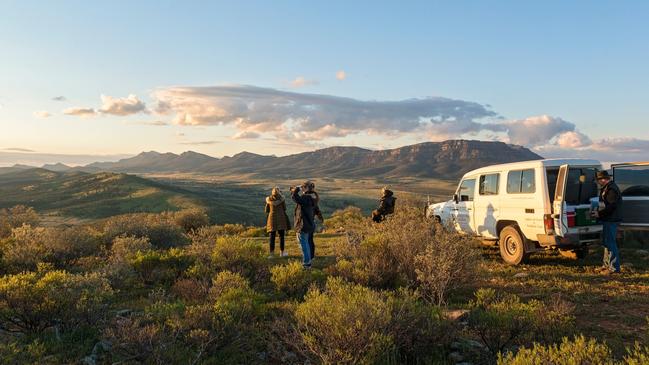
<point x="301" y="81"/>
<point x="341" y="75"/>
<point x="80" y="112"/>
<point x="538" y="130"/>
<point x="122" y="106"/>
<point x="572" y="139"/>
<point x="42" y="114"/>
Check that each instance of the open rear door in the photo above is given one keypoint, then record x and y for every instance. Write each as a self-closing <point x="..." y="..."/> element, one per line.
<point x="559" y="204"/>
<point x="633" y="180"/>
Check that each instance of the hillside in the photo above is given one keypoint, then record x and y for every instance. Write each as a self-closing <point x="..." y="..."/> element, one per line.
<point x="89" y="196"/>
<point x="448" y="159"/>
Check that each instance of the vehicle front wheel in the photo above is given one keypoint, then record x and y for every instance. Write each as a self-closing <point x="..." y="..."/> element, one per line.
<point x="512" y="247"/>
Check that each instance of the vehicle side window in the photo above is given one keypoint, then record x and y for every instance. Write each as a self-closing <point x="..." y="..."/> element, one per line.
<point x="489" y="184"/>
<point x="466" y="191"/>
<point x="521" y="181"/>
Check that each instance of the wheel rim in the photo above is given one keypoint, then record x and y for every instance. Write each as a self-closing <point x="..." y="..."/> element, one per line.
<point x="511" y="246"/>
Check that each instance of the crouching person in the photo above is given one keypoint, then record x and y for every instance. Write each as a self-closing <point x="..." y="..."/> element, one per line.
<point x="304" y="218"/>
<point x="386" y="205"/>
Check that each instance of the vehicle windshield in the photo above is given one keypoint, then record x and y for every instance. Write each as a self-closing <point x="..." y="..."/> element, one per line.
<point x="632" y="180"/>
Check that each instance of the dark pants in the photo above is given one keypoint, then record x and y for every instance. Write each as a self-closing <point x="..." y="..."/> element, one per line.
<point x="611" y="253"/>
<point x="311" y="245"/>
<point x="272" y="240"/>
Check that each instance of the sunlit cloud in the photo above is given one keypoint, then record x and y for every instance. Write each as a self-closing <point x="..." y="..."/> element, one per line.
<point x="301" y="81"/>
<point x="42" y="114"/>
<point x="200" y="143"/>
<point x="246" y="135"/>
<point x="18" y="149"/>
<point x="80" y="112"/>
<point x="122" y="106"/>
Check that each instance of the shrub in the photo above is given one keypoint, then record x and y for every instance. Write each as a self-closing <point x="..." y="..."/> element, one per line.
<point x="503" y="320"/>
<point x="191" y="219"/>
<point x="345" y="324"/>
<point x="160" y="267"/>
<point x="292" y="280"/>
<point x="190" y="290"/>
<point x="159" y="228"/>
<point x="15" y="217"/>
<point x="19" y="353"/>
<point x="578" y="351"/>
<point x="449" y="261"/>
<point x="349" y="323"/>
<point x="404" y="250"/>
<point x="34" y="301"/>
<point x="227" y="280"/>
<point x="240" y="256"/>
<point x="25" y="249"/>
<point x="638" y="355"/>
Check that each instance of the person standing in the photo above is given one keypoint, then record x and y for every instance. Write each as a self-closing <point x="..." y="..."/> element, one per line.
<point x="304" y="218"/>
<point x="277" y="221"/>
<point x="386" y="205"/>
<point x="318" y="214"/>
<point x="610" y="215"/>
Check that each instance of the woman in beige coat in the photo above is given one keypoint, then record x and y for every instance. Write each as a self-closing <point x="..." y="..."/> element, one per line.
<point x="277" y="221"/>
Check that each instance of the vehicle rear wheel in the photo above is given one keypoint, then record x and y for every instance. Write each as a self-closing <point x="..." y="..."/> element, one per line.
<point x="577" y="254"/>
<point x="512" y="247"/>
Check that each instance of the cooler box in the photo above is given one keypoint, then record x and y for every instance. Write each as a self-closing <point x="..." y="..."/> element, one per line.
<point x="582" y="217"/>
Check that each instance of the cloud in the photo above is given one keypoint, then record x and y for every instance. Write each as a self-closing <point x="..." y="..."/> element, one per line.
<point x="155" y="123"/>
<point x="59" y="98"/>
<point x="122" y="106"/>
<point x="42" y="114"/>
<point x="573" y="139"/>
<point x="538" y="130"/>
<point x="18" y="149"/>
<point x="341" y="75"/>
<point x="246" y="135"/>
<point x="200" y="143"/>
<point x="300" y="81"/>
<point x="80" y="112"/>
<point x="316" y="116"/>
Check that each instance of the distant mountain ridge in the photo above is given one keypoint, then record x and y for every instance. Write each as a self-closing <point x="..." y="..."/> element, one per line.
<point x="448" y="159"/>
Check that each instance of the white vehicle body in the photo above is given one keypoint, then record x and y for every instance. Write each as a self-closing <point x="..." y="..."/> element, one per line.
<point x="533" y="198"/>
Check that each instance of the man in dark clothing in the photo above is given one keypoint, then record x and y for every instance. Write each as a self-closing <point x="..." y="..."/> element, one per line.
<point x="610" y="214"/>
<point x="386" y="205"/>
<point x="304" y="218"/>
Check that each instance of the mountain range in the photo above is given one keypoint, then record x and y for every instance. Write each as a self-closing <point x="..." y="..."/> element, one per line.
<point x="448" y="159"/>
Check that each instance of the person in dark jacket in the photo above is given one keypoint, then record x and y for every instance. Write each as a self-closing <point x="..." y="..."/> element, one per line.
<point x="277" y="221"/>
<point x="304" y="218"/>
<point x="610" y="215"/>
<point x="386" y="205"/>
<point x="318" y="215"/>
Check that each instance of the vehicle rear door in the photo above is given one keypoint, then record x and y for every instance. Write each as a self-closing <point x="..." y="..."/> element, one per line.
<point x="633" y="180"/>
<point x="559" y="205"/>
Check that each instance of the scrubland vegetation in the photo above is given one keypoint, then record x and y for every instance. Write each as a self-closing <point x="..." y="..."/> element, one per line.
<point x="169" y="288"/>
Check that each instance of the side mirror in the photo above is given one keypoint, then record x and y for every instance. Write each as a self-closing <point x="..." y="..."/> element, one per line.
<point x="456" y="199"/>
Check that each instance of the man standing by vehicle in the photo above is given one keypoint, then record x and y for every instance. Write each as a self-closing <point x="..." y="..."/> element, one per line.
<point x="610" y="214"/>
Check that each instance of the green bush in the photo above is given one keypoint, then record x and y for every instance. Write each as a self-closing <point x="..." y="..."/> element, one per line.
<point x="227" y="280"/>
<point x="15" y="217"/>
<point x="35" y="301"/>
<point x="159" y="228"/>
<point x="350" y="323"/>
<point x="579" y="351"/>
<point x="346" y="219"/>
<point x="191" y="220"/>
<point x="240" y="256"/>
<point x="292" y="280"/>
<point x="504" y="320"/>
<point x="19" y="353"/>
<point x="160" y="267"/>
<point x="638" y="355"/>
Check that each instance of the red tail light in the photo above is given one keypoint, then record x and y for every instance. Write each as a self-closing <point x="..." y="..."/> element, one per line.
<point x="548" y="222"/>
<point x="571" y="218"/>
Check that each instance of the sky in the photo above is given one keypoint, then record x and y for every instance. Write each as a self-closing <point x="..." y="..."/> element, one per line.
<point x="84" y="80"/>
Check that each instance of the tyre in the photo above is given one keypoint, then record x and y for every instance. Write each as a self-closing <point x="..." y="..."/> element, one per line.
<point x="577" y="254"/>
<point x="512" y="246"/>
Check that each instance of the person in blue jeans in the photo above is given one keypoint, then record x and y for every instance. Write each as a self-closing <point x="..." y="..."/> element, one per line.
<point x="610" y="215"/>
<point x="305" y="211"/>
